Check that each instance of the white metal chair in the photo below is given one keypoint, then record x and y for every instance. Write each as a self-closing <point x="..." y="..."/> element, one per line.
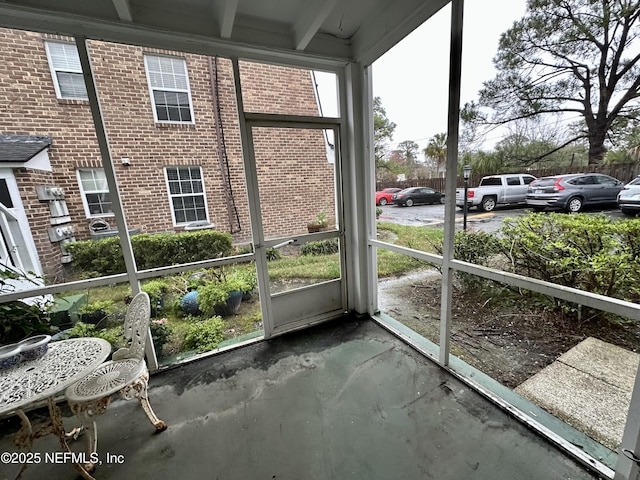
<point x="126" y="373"/>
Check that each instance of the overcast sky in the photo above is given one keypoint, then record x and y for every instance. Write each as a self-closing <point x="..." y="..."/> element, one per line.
<point x="412" y="78"/>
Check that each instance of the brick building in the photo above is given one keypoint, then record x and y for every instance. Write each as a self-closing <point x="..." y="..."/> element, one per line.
<point x="171" y="122"/>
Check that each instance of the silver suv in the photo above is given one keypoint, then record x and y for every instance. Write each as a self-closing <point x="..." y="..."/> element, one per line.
<point x="572" y="192"/>
<point x="629" y="197"/>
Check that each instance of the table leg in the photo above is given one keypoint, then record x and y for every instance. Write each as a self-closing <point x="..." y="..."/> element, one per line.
<point x="58" y="428"/>
<point x="24" y="437"/>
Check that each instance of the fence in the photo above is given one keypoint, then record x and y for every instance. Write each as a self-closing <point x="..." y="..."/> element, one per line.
<point x="623" y="171"/>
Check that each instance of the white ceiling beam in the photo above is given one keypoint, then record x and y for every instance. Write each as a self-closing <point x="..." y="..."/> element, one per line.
<point x="188" y="36"/>
<point x="310" y="21"/>
<point x="225" y="12"/>
<point x="123" y="8"/>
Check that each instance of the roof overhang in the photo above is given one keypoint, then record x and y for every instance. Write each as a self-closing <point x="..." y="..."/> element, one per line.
<point x="25" y="151"/>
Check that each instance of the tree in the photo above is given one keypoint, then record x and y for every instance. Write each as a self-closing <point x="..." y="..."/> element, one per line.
<point x="521" y="150"/>
<point x="383" y="129"/>
<point x="627" y="149"/>
<point x="437" y="149"/>
<point x="569" y="57"/>
<point x="409" y="151"/>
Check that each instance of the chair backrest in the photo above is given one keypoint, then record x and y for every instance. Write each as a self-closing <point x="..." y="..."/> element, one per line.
<point x="136" y="326"/>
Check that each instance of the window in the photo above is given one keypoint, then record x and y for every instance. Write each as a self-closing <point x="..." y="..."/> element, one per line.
<point x="491" y="182"/>
<point x="528" y="179"/>
<point x="186" y="192"/>
<point x="95" y="192"/>
<point x="605" y="180"/>
<point x="588" y="180"/>
<point x="169" y="87"/>
<point x="66" y="70"/>
<point x="5" y="195"/>
<point x="513" y="180"/>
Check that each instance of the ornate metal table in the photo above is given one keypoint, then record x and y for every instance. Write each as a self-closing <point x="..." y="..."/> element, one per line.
<point x="30" y="383"/>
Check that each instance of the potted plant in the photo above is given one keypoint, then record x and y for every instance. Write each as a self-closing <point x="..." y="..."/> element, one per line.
<point x="157" y="290"/>
<point x="247" y="280"/>
<point x="221" y="296"/>
<point x="319" y="224"/>
<point x="94" y="312"/>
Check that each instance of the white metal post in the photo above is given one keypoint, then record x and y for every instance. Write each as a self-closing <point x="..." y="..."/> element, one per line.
<point x="110" y="174"/>
<point x="359" y="180"/>
<point x="455" y="70"/>
<point x="626" y="467"/>
<point x="255" y="213"/>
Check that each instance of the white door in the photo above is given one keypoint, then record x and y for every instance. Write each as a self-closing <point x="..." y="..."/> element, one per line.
<point x="297" y="175"/>
<point x="17" y="248"/>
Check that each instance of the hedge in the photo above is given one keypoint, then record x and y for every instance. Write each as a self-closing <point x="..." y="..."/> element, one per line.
<point x="95" y="258"/>
<point x="589" y="252"/>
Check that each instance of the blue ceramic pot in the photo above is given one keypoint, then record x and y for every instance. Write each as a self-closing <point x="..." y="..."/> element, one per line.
<point x="231" y="306"/>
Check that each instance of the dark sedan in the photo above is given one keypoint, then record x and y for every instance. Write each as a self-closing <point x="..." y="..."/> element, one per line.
<point x="417" y="195"/>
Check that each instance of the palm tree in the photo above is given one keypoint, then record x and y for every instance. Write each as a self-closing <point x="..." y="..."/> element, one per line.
<point x="437" y="149"/>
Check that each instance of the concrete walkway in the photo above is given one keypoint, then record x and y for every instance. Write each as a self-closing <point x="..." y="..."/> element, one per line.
<point x="589" y="387"/>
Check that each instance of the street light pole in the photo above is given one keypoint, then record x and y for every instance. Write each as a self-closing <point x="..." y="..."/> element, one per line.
<point x="466" y="172"/>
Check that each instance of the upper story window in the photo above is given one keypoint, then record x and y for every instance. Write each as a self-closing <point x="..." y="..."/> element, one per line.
<point x="66" y="70"/>
<point x="186" y="191"/>
<point x="95" y="192"/>
<point x="169" y="87"/>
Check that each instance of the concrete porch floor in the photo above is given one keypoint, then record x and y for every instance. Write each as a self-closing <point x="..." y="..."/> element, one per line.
<point x="345" y="400"/>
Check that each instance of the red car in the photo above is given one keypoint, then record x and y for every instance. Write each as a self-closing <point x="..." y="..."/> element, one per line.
<point x="384" y="196"/>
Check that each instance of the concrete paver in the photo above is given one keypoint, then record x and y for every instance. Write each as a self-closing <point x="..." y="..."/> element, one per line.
<point x="589" y="387"/>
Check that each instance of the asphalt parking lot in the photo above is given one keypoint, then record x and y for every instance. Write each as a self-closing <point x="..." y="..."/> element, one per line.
<point x="433" y="215"/>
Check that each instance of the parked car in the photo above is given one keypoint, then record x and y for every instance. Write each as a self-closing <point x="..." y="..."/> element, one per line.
<point x="415" y="195"/>
<point x="572" y="192"/>
<point x="629" y="197"/>
<point x="493" y="190"/>
<point x="384" y="196"/>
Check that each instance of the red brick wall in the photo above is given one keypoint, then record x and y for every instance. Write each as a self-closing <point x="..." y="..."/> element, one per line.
<point x="38" y="216"/>
<point x="28" y="105"/>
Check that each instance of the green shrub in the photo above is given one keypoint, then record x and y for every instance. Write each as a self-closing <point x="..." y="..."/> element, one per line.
<point x="104" y="306"/>
<point x="19" y="320"/>
<point x="113" y="335"/>
<point x="155" y="288"/>
<point x="204" y="336"/>
<point x="321" y="247"/>
<point x="477" y="248"/>
<point x="273" y="254"/>
<point x="217" y="292"/>
<point x="160" y="333"/>
<point x="588" y="252"/>
<point x="104" y="257"/>
<point x="592" y="253"/>
<point x="245" y="276"/>
<point x="212" y="295"/>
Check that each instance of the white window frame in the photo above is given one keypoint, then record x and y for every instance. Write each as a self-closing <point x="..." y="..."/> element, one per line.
<point x="174" y="195"/>
<point x="84" y="192"/>
<point x="153" y="88"/>
<point x="70" y="51"/>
